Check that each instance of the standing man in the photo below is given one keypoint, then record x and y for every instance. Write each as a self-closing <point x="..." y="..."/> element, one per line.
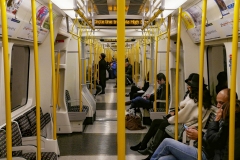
<point x="128" y="72"/>
<point x="102" y="72"/>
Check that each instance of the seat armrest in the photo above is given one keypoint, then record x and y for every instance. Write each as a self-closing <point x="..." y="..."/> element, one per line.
<point x="31" y="148"/>
<point x="161" y="101"/>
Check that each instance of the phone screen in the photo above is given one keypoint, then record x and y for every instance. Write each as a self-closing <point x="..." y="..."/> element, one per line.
<point x="186" y="127"/>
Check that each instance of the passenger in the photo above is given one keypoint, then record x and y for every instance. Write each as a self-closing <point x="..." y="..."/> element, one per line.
<point x="128" y="73"/>
<point x="215" y="140"/>
<point x="147" y="101"/>
<point x="155" y="124"/>
<point x="102" y="72"/>
<point x="222" y="81"/>
<point x="134" y="89"/>
<point x="114" y="67"/>
<point x="188" y="114"/>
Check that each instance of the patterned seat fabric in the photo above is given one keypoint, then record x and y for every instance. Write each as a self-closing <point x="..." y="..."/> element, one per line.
<point x="24" y="126"/>
<point x="44" y="156"/>
<point x="73" y="108"/>
<point x="16" y="138"/>
<point x="3" y="147"/>
<point x="17" y="141"/>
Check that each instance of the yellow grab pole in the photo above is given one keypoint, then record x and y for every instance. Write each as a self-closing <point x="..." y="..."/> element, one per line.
<point x="152" y="18"/>
<point x="58" y="78"/>
<point x="95" y="66"/>
<point x="80" y="71"/>
<point x="85" y="77"/>
<point x="37" y="85"/>
<point x="177" y="73"/>
<point x="121" y="79"/>
<point x="145" y="59"/>
<point x="167" y="62"/>
<point x="84" y="18"/>
<point x="201" y="66"/>
<point x="53" y="72"/>
<point x="90" y="66"/>
<point x="6" y="79"/>
<point x="155" y="72"/>
<point x="233" y="81"/>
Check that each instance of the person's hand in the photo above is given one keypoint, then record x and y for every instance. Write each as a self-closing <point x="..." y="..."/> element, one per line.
<point x="192" y="133"/>
<point x="148" y="96"/>
<point x="219" y="114"/>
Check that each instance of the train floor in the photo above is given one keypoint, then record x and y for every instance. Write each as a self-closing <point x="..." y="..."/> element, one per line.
<point x="99" y="141"/>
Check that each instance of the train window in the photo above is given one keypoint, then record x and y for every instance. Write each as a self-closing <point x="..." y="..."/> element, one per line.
<point x="216" y="63"/>
<point x="19" y="76"/>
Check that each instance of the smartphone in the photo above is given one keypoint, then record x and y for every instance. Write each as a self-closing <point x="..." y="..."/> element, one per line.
<point x="186" y="127"/>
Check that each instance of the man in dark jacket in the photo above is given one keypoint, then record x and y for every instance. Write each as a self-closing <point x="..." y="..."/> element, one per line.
<point x="147" y="101"/>
<point x="215" y="140"/>
<point x="128" y="73"/>
<point x="102" y="72"/>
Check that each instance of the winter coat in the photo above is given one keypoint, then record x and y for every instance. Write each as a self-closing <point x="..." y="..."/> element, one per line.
<point x="102" y="72"/>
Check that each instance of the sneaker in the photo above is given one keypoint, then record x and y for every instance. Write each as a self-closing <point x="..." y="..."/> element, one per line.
<point x="127" y="95"/>
<point x="115" y="86"/>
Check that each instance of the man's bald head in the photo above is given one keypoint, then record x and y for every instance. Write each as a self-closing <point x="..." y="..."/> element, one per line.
<point x="222" y="97"/>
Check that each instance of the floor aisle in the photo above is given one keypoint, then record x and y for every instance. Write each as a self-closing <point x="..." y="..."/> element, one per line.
<point x="99" y="141"/>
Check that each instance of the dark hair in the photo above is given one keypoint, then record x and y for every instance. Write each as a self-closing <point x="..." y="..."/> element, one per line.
<point x="103" y="55"/>
<point x="206" y="97"/>
<point x="161" y="76"/>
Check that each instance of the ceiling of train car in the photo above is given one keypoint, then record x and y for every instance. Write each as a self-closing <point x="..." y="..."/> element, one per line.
<point x="109" y="7"/>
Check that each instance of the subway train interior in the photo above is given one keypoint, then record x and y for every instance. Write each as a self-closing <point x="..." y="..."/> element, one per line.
<point x="61" y="96"/>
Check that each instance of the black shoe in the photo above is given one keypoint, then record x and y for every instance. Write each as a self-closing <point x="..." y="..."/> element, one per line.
<point x="115" y="86"/>
<point x="127" y="103"/>
<point x="127" y="95"/>
<point x="149" y="157"/>
<point x="137" y="147"/>
<point x="145" y="151"/>
<point x="102" y="93"/>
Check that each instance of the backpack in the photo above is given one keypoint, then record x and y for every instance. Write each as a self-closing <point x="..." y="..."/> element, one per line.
<point x="133" y="120"/>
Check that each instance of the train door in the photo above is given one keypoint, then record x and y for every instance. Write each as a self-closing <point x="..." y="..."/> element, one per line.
<point x="216" y="63"/>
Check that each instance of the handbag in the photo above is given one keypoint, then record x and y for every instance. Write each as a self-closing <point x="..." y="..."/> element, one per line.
<point x="170" y="130"/>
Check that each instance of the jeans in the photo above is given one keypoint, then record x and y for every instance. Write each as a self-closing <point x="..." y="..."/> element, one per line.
<point x="170" y="149"/>
<point x="140" y="102"/>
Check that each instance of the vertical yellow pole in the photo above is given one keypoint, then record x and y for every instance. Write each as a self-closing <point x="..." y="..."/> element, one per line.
<point x="155" y="72"/>
<point x="233" y="81"/>
<point x="177" y="72"/>
<point x="167" y="62"/>
<point x="145" y="58"/>
<point x="53" y="72"/>
<point x="121" y="78"/>
<point x="35" y="42"/>
<point x="6" y="79"/>
<point x="201" y="67"/>
<point x="80" y="71"/>
<point x="95" y="65"/>
<point x="90" y="66"/>
<point x="85" y="75"/>
<point x="58" y="78"/>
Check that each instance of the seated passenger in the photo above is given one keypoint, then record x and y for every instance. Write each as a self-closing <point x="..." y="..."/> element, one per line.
<point x="146" y="102"/>
<point x="134" y="89"/>
<point x="188" y="114"/>
<point x="215" y="140"/>
<point x="222" y="81"/>
<point x="156" y="122"/>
